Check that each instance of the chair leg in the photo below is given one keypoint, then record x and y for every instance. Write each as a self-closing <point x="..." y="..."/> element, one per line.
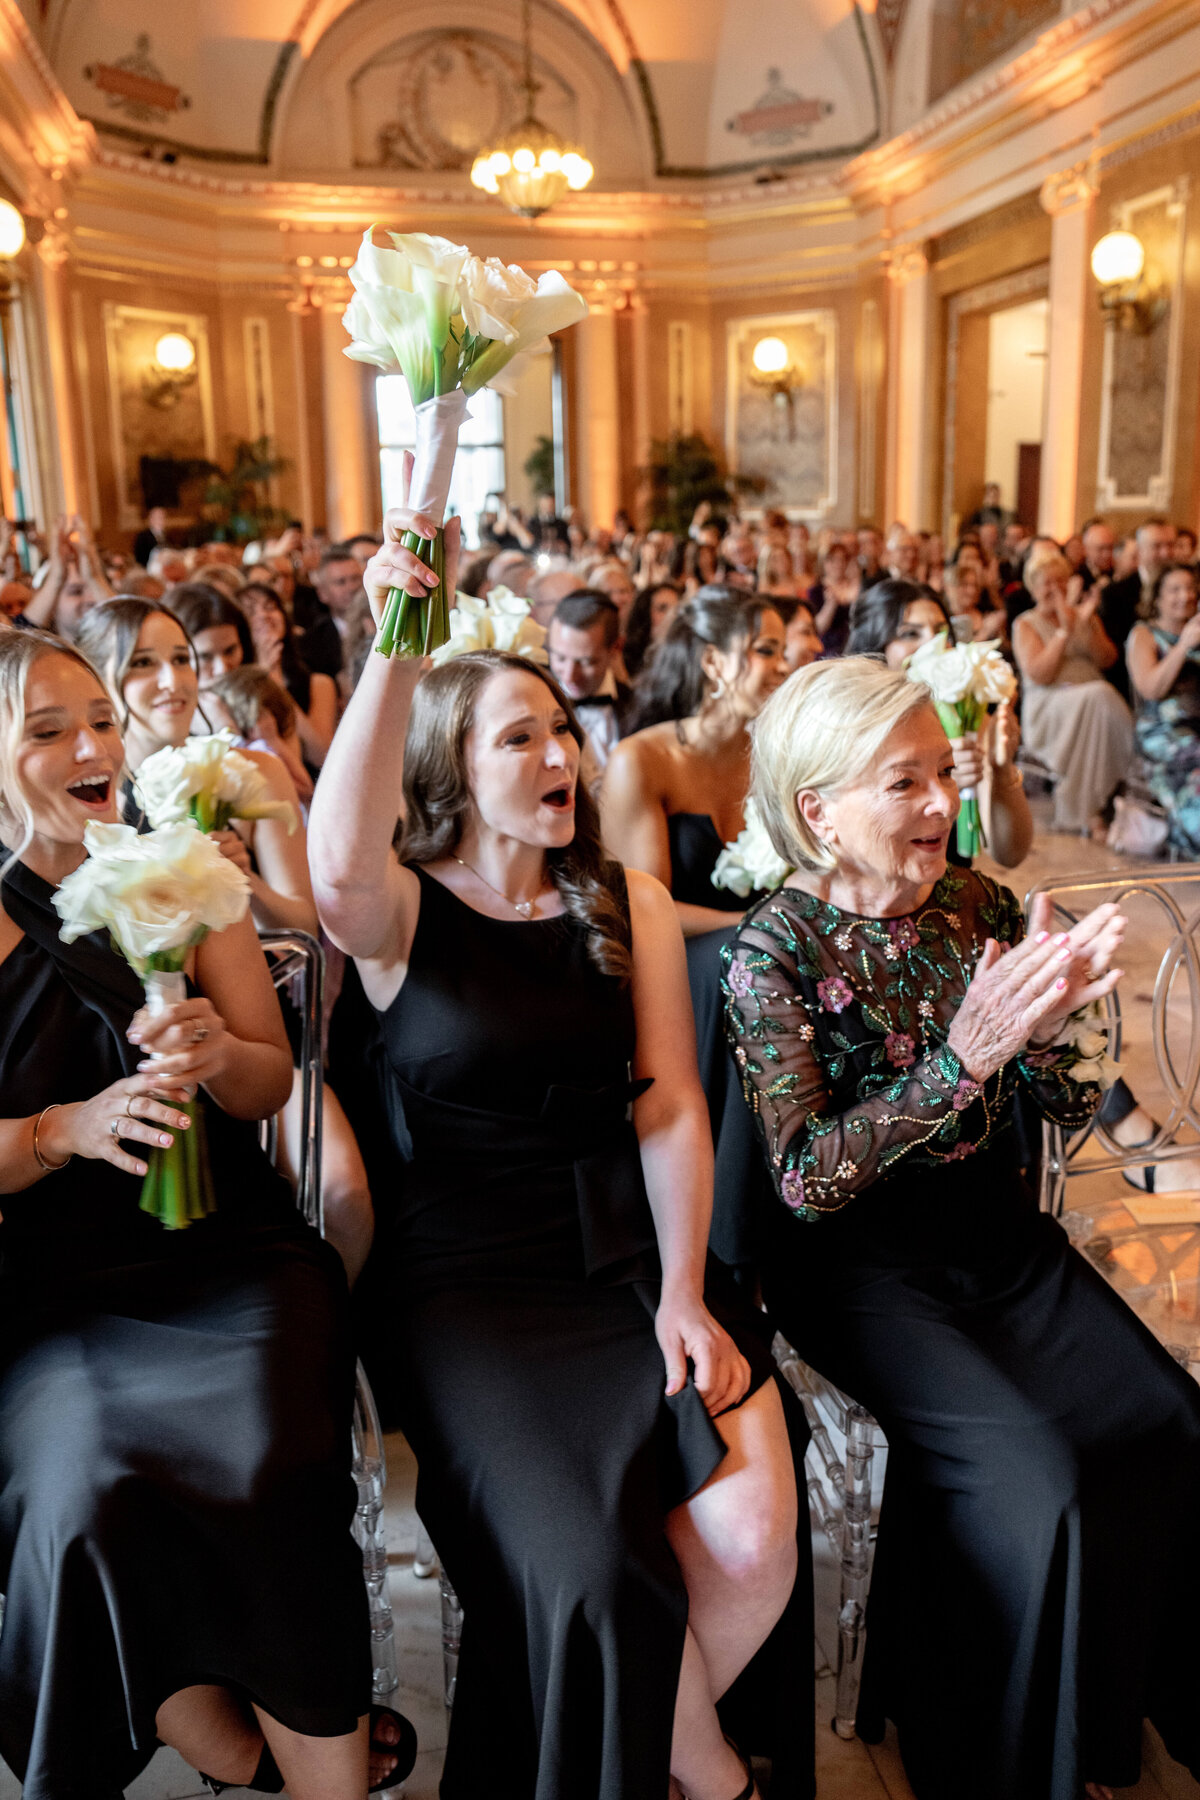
<point x="856" y="1567"/>
<point x="370" y="1477"/>
<point x="425" y="1560"/>
<point x="452" y="1618"/>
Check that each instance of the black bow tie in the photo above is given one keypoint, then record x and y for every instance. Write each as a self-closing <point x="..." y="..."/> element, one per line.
<point x="598" y="700"/>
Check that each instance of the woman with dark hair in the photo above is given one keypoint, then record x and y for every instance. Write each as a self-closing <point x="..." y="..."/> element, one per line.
<point x="217" y="626"/>
<point x="651" y="613"/>
<point x="621" y="1551"/>
<point x="277" y="650"/>
<point x="892" y="620"/>
<point x="1163" y="654"/>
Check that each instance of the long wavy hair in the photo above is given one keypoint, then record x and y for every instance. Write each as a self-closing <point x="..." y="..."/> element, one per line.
<point x="19" y="650"/>
<point x="674" y="684"/>
<point x="438" y="800"/>
<point x="108" y="636"/>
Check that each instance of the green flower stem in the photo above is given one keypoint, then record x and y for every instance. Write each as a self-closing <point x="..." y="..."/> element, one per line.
<point x="178" y="1187"/>
<point x="415" y="627"/>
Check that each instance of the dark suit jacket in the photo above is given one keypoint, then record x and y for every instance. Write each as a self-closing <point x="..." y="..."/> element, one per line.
<point x="143" y="544"/>
<point x="1118" y="611"/>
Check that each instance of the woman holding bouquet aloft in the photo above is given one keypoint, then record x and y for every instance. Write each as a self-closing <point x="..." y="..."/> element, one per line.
<point x="149" y="664"/>
<point x="886" y="1011"/>
<point x="175" y="1496"/>
<point x="604" y="1472"/>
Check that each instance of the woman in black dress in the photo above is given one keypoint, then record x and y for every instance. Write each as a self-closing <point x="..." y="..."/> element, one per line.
<point x="621" y="1551"/>
<point x="175" y="1492"/>
<point x="886" y="1011"/>
<point x="674" y="794"/>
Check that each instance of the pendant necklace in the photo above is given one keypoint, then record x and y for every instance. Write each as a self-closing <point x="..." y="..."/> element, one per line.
<point x="524" y="907"/>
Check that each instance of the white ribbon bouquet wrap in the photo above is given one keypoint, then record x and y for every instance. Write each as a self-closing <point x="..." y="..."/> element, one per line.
<point x="157" y="895"/>
<point x="451" y="324"/>
<point x="963" y="681"/>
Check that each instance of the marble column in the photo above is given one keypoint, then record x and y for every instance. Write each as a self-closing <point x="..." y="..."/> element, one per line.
<point x="597" y="414"/>
<point x="352" y="501"/>
<point x="908" y="389"/>
<point x="61" y="470"/>
<point x="1068" y="198"/>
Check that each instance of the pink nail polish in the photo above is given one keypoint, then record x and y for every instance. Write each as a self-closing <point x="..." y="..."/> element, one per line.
<point x="1060" y="984"/>
<point x="1041" y="937"/>
<point x="1062" y="937"/>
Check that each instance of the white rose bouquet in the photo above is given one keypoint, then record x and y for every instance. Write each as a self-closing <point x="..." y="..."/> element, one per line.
<point x="209" y="782"/>
<point x="157" y="895"/>
<point x="751" y="862"/>
<point x="963" y="680"/>
<point x="501" y="622"/>
<point x="450" y="324"/>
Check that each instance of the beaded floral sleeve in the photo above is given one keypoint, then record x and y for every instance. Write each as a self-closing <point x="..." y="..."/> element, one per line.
<point x="838" y="1025"/>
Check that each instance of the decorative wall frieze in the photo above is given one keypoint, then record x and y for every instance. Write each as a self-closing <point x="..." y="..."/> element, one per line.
<point x="905" y="263"/>
<point x="1069" y="188"/>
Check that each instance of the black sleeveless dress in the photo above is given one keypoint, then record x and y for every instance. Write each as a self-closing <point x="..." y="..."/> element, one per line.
<point x="742" y="1197"/>
<point x="524" y="1278"/>
<point x="175" y="1489"/>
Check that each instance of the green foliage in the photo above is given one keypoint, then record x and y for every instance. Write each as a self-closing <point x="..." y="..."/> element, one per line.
<point x="682" y="472"/>
<point x="235" y="505"/>
<point x="539" y="466"/>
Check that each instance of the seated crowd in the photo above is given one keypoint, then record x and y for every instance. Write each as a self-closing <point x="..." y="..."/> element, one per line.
<point x="574" y="1168"/>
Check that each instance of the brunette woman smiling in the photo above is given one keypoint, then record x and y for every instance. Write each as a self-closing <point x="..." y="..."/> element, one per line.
<point x="175" y="1493"/>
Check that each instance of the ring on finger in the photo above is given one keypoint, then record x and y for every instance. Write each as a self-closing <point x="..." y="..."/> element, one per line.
<point x="114" y="1128"/>
<point x="129" y="1106"/>
<point x="199" y="1034"/>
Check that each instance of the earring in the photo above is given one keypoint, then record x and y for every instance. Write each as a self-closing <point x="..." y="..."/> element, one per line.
<point x="718" y="689"/>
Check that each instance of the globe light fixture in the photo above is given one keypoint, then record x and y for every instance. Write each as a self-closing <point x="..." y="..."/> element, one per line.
<point x="532" y="167"/>
<point x="1118" y="257"/>
<point x="770" y="356"/>
<point x="175" y="353"/>
<point x="12" y="231"/>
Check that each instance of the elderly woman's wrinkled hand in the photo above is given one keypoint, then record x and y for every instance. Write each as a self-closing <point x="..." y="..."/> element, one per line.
<point x="1022" y="995"/>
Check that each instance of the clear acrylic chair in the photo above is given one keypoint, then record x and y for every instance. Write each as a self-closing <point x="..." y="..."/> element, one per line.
<point x="840" y="1483"/>
<point x="297" y="965"/>
<point x="1154" y="1032"/>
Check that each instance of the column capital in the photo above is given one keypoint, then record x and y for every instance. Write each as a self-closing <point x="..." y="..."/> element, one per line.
<point x="905" y="263"/>
<point x="53" y="247"/>
<point x="1069" y="189"/>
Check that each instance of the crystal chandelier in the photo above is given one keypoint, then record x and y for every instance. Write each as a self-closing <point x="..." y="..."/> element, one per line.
<point x="531" y="168"/>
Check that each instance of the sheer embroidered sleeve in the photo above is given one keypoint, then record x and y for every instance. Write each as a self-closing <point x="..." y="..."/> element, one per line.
<point x="799" y="1031"/>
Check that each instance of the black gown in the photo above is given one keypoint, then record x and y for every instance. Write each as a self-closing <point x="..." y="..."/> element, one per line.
<point x="175" y="1488"/>
<point x="524" y="1283"/>
<point x="1037" y="1583"/>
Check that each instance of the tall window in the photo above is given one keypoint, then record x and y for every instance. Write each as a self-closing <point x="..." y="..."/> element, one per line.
<point x="478" y="467"/>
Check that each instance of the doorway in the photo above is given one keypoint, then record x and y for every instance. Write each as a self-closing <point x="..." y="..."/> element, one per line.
<point x="995" y="396"/>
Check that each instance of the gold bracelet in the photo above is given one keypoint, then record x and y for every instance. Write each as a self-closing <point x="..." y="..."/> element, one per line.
<point x="37" y="1149"/>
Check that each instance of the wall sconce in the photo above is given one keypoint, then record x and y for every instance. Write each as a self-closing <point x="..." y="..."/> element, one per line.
<point x="772" y="370"/>
<point x="173" y="369"/>
<point x="12" y="242"/>
<point x="1130" y="298"/>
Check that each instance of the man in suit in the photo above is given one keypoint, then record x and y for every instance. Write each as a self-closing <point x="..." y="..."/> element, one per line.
<point x="152" y="534"/>
<point x="1098" y="545"/>
<point x="582" y="646"/>
<point x="1121" y="600"/>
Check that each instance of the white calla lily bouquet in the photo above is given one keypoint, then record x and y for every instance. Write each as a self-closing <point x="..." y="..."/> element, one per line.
<point x="210" y="782"/>
<point x="158" y="894"/>
<point x="504" y="621"/>
<point x="450" y="323"/>
<point x="963" y="681"/>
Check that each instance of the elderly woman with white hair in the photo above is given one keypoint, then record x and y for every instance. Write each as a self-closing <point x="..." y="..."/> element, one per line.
<point x="885" y="1012"/>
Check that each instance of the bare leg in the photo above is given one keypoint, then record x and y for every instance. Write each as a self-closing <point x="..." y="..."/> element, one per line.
<point x="319" y="1768"/>
<point x="211" y="1731"/>
<point x="736" y="1544"/>
<point x="349" y="1219"/>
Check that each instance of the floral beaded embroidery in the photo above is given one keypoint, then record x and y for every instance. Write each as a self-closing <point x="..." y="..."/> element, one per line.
<point x="860" y="1008"/>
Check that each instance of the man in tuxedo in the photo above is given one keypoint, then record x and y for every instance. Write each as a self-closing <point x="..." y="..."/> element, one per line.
<point x="1121" y="600"/>
<point x="1098" y="544"/>
<point x="582" y="647"/>
<point x="152" y="534"/>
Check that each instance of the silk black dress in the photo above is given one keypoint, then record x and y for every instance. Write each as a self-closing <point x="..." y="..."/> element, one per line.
<point x="1037" y="1582"/>
<point x="524" y="1281"/>
<point x="175" y="1488"/>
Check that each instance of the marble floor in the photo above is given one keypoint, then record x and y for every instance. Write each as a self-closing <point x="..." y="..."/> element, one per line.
<point x="846" y="1770"/>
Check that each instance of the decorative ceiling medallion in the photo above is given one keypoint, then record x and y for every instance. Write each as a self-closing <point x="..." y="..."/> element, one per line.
<point x="779" y="116"/>
<point x="134" y="85"/>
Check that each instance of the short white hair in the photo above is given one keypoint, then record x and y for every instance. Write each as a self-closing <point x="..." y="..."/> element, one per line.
<point x="817" y="733"/>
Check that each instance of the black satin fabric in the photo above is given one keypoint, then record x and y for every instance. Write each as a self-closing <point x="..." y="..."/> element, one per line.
<point x="175" y="1492"/>
<point x="524" y="1281"/>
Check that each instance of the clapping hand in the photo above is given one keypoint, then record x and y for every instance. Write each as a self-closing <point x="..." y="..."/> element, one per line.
<point x="686" y="1330"/>
<point x="1022" y="996"/>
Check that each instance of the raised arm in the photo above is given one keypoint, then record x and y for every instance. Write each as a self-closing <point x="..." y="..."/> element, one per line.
<point x="367" y="902"/>
<point x="671" y="1120"/>
<point x="1153" y="676"/>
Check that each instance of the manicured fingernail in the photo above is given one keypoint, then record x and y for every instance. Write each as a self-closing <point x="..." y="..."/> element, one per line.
<point x="1041" y="937"/>
<point x="1060" y="984"/>
<point x="1064" y="954"/>
<point x="164" y="1138"/>
<point x="1062" y="937"/>
<point x="183" y="1121"/>
<point x="135" y="1037"/>
<point x="143" y="1066"/>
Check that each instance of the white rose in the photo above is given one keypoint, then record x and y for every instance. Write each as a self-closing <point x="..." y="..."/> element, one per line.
<point x="751" y="861"/>
<point x="492" y="293"/>
<point x="155" y="893"/>
<point x="513" y="313"/>
<point x="992" y="679"/>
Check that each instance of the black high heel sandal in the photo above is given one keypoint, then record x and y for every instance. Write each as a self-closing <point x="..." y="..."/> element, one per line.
<point x="266" y="1778"/>
<point x="404" y="1749"/>
<point x="1145" y="1186"/>
<point x="750" y="1791"/>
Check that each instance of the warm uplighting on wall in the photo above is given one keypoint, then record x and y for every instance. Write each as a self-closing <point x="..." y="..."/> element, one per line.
<point x="532" y="167"/>
<point x="1128" y="296"/>
<point x="173" y="369"/>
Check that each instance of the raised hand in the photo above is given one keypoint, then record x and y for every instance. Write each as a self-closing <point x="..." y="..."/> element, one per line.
<point x="392" y="566"/>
